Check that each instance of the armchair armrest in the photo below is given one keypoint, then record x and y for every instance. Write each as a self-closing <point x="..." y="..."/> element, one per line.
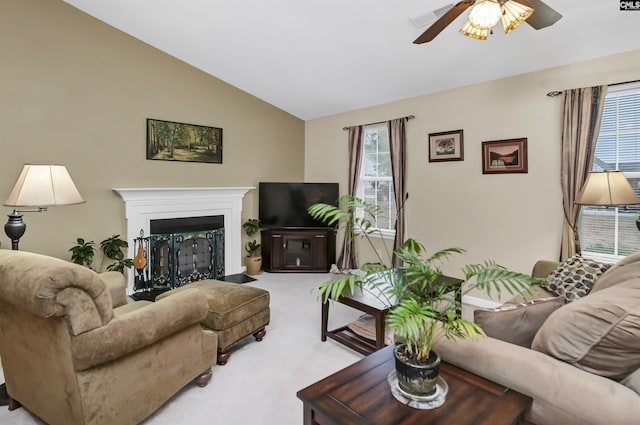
<point x="137" y="329"/>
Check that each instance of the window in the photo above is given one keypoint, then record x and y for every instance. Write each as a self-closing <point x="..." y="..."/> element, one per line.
<point x="375" y="185"/>
<point x="609" y="234"/>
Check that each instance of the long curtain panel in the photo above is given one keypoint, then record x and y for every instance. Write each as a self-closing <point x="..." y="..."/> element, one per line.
<point x="582" y="114"/>
<point x="348" y="258"/>
<point x="398" y="143"/>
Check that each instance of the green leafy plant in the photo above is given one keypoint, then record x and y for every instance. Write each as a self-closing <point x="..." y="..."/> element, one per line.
<point x="421" y="311"/>
<point x="112" y="249"/>
<point x="251" y="228"/>
<point x="253" y="248"/>
<point x="83" y="252"/>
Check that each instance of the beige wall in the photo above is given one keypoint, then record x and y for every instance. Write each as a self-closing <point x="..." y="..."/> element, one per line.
<point x="513" y="219"/>
<point x="76" y="91"/>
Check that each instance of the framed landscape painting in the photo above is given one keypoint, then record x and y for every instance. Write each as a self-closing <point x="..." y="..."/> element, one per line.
<point x="505" y="156"/>
<point x="174" y="141"/>
<point x="446" y="146"/>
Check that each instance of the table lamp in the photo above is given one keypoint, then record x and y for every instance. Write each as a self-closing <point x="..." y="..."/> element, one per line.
<point x="38" y="187"/>
<point x="607" y="188"/>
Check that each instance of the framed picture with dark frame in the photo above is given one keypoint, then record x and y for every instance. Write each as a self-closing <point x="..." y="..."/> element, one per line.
<point x="174" y="141"/>
<point x="446" y="146"/>
<point x="505" y="156"/>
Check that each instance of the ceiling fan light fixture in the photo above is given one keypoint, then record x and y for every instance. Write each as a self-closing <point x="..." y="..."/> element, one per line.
<point x="485" y="14"/>
<point x="474" y="32"/>
<point x="513" y="14"/>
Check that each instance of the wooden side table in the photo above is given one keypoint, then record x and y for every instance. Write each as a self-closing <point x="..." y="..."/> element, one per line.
<point x="360" y="394"/>
<point x="369" y="304"/>
<point x="345" y="336"/>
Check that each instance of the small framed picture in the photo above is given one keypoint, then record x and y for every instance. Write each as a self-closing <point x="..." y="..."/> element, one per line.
<point x="446" y="146"/>
<point x="505" y="156"/>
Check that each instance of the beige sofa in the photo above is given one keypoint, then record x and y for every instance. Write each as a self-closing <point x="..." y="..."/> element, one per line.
<point x="577" y="347"/>
<point x="70" y="358"/>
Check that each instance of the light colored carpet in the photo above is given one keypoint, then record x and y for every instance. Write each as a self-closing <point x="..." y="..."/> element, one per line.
<point x="259" y="384"/>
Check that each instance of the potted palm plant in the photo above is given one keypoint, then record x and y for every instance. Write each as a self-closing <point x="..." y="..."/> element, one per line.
<point x="254" y="248"/>
<point x="420" y="310"/>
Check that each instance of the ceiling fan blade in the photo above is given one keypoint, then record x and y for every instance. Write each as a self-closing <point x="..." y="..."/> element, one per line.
<point x="543" y="16"/>
<point x="442" y="22"/>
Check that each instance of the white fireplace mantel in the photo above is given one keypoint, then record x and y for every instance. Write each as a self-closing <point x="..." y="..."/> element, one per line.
<point x="145" y="204"/>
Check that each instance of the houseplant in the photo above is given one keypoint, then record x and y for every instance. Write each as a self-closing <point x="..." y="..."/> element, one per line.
<point x="420" y="311"/>
<point x="254" y="248"/>
<point x="83" y="253"/>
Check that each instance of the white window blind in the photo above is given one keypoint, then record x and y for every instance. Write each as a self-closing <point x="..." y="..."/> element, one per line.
<point x="375" y="185"/>
<point x="609" y="234"/>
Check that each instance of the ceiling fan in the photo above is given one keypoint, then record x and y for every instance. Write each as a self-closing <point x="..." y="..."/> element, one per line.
<point x="486" y="14"/>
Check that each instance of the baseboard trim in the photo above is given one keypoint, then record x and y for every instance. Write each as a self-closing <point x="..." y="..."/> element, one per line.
<point x="479" y="302"/>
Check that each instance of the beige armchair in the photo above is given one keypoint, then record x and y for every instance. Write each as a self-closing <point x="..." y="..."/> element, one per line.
<point x="69" y="358"/>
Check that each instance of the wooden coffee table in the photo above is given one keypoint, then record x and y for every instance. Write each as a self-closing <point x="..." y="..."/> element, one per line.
<point x="360" y="394"/>
<point x="369" y="304"/>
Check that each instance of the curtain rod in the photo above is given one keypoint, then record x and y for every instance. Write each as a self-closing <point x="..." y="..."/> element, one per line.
<point x="408" y="117"/>
<point x="558" y="93"/>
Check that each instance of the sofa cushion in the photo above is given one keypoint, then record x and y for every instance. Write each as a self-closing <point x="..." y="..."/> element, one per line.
<point x="625" y="269"/>
<point x="517" y="323"/>
<point x="574" y="277"/>
<point x="599" y="333"/>
<point x="632" y="381"/>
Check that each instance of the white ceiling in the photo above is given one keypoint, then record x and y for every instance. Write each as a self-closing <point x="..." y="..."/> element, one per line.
<point x="314" y="58"/>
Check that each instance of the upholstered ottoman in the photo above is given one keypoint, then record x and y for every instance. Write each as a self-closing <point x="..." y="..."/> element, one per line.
<point x="235" y="312"/>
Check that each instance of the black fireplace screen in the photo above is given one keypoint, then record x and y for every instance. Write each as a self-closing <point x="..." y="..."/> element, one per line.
<point x="181" y="258"/>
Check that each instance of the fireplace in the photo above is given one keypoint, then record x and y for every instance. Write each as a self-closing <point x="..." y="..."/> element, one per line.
<point x="142" y="205"/>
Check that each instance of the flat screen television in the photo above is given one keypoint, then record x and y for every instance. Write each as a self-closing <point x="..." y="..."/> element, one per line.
<point x="284" y="205"/>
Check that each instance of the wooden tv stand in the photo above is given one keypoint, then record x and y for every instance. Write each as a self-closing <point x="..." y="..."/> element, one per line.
<point x="298" y="249"/>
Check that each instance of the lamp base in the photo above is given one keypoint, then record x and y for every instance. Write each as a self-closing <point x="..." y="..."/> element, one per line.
<point x="15" y="228"/>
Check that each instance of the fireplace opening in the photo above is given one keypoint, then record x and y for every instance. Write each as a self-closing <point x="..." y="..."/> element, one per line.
<point x="186" y="224"/>
<point x="184" y="250"/>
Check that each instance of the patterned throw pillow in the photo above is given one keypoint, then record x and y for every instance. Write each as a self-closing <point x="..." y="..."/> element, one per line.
<point x="574" y="278"/>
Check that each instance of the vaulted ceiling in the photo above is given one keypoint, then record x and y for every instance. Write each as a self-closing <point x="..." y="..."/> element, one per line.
<point x="314" y="58"/>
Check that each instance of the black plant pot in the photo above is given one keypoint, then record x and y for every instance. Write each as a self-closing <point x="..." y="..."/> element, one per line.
<point x="418" y="379"/>
<point x="638" y="223"/>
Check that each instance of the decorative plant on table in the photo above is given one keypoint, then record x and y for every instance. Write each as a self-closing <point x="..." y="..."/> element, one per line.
<point x="112" y="249"/>
<point x="421" y="309"/>
<point x="254" y="248"/>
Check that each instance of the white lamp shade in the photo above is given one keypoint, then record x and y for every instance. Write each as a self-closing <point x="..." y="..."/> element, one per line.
<point x="43" y="186"/>
<point x="474" y="32"/>
<point x="608" y="188"/>
<point x="485" y="15"/>
<point x="513" y="14"/>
